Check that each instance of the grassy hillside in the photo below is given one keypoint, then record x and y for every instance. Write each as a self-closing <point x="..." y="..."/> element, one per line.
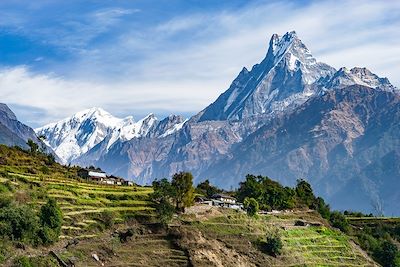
<point x="97" y="217"/>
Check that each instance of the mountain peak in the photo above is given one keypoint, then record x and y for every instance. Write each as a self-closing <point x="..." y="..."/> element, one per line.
<point x="362" y="76"/>
<point x="7" y="111"/>
<point x="282" y="80"/>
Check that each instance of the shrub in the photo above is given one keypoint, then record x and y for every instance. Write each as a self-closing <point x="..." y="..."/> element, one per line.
<point x="107" y="218"/>
<point x="165" y="211"/>
<point x="45" y="170"/>
<point x="387" y="254"/>
<point x="40" y="261"/>
<point x="272" y="245"/>
<point x="51" y="219"/>
<point x="338" y="220"/>
<point x="19" y="223"/>
<point x="251" y="206"/>
<point x="22" y="261"/>
<point x="5" y="201"/>
<point x="6" y="187"/>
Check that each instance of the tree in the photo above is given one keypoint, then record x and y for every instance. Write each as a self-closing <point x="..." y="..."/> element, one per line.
<point x="322" y="208"/>
<point x="305" y="193"/>
<point x="19" y="222"/>
<point x="33" y="147"/>
<point x="251" y="187"/>
<point x="205" y="188"/>
<point x="339" y="221"/>
<point x="387" y="254"/>
<point x="251" y="206"/>
<point x="163" y="196"/>
<point x="184" y="191"/>
<point x="165" y="211"/>
<point x="51" y="219"/>
<point x="162" y="190"/>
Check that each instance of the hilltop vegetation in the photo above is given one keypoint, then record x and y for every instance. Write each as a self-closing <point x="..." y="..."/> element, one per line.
<point x="122" y="225"/>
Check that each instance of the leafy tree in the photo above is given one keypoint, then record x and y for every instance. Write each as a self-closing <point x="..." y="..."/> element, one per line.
<point x="387" y="254"/>
<point x="205" y="188"/>
<point x="251" y="206"/>
<point x="339" y="221"/>
<point x="322" y="208"/>
<point x="19" y="222"/>
<point x="50" y="159"/>
<point x="51" y="219"/>
<point x="162" y="190"/>
<point x="163" y="197"/>
<point x="165" y="211"/>
<point x="251" y="187"/>
<point x="305" y="193"/>
<point x="33" y="147"/>
<point x="184" y="191"/>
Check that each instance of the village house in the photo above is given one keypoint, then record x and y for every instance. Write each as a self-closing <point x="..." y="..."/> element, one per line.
<point x="220" y="200"/>
<point x="101" y="177"/>
<point x="93" y="175"/>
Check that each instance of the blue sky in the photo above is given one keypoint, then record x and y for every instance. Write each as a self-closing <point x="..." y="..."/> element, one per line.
<point x="142" y="56"/>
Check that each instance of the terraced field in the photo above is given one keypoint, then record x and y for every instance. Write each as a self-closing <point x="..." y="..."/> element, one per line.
<point x="84" y="203"/>
<point x="302" y="245"/>
<point x="147" y="247"/>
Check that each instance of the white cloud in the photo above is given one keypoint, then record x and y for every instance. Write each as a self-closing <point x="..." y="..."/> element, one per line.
<point x="183" y="64"/>
<point x="60" y="98"/>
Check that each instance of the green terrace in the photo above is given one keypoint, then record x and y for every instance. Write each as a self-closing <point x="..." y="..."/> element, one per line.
<point x="302" y="245"/>
<point x="83" y="203"/>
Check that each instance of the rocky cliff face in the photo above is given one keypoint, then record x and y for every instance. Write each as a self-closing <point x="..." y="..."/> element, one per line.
<point x="283" y="80"/>
<point x="12" y="131"/>
<point x="288" y="117"/>
<point x="345" y="143"/>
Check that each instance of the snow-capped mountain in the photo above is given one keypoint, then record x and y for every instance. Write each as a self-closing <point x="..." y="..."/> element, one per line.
<point x="362" y="76"/>
<point x="76" y="135"/>
<point x="290" y="116"/>
<point x="283" y="79"/>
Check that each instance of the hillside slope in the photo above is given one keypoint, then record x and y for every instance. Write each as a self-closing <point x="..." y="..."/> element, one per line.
<point x="97" y="217"/>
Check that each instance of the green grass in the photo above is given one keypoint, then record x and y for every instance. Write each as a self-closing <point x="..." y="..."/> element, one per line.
<point x="302" y="246"/>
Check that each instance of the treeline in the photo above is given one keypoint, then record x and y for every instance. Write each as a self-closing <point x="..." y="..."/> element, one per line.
<point x="260" y="192"/>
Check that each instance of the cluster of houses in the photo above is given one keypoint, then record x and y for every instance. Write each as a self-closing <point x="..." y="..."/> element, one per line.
<point x="100" y="177"/>
<point x="221" y="200"/>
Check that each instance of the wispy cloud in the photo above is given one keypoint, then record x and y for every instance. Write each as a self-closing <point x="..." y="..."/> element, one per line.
<point x="132" y="60"/>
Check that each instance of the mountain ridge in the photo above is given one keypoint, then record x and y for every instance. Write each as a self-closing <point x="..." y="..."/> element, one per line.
<point x="285" y="82"/>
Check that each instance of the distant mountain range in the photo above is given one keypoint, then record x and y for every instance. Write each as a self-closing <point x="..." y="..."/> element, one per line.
<point x="288" y="117"/>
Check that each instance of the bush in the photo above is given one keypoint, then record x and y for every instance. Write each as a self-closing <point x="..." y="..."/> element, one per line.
<point x="387" y="254"/>
<point x="5" y="201"/>
<point x="19" y="223"/>
<point x="40" y="261"/>
<point x="22" y="261"/>
<point x="251" y="206"/>
<point x="51" y="219"/>
<point x="165" y="211"/>
<point x="272" y="245"/>
<point x="338" y="220"/>
<point x="322" y="208"/>
<point x="107" y="218"/>
<point x="6" y="187"/>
